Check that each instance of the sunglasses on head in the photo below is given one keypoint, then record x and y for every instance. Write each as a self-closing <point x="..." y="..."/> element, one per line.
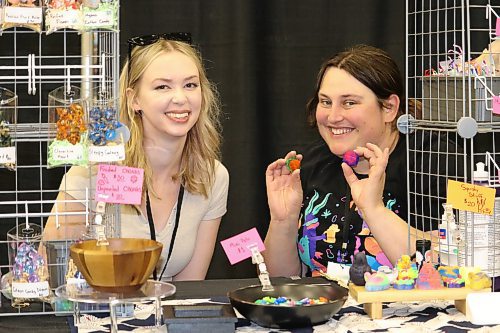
<point x="184" y="37"/>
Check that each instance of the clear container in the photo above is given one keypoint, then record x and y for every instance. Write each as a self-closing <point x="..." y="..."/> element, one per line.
<point x="8" y="118"/>
<point x="68" y="114"/>
<point x="107" y="135"/>
<point x="29" y="275"/>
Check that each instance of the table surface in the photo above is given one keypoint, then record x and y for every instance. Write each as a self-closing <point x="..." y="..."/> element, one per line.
<point x="433" y="315"/>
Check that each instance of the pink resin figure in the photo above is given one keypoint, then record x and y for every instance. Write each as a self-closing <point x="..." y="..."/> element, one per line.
<point x="376" y="281"/>
<point x="429" y="277"/>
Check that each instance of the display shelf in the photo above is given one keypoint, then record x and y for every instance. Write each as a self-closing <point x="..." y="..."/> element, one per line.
<point x="150" y="291"/>
<point x="31" y="65"/>
<point x="372" y="300"/>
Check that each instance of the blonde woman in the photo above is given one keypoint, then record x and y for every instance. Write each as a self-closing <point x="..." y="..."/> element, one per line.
<point x="172" y="112"/>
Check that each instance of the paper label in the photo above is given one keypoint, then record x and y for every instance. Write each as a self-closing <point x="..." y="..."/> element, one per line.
<point x="101" y="18"/>
<point x="236" y="247"/>
<point x="63" y="18"/>
<point x="7" y="155"/>
<point x="67" y="153"/>
<point x="119" y="184"/>
<point x="30" y="290"/>
<point x="471" y="197"/>
<point x="26" y="15"/>
<point x="107" y="153"/>
<point x="496" y="105"/>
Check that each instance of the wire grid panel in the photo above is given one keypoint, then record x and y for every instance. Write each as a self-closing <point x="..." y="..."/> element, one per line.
<point x="453" y="72"/>
<point x="91" y="59"/>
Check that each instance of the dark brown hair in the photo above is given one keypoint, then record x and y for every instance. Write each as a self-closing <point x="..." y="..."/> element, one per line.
<point x="372" y="67"/>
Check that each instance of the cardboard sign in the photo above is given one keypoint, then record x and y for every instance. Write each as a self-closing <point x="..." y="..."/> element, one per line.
<point x="236" y="247"/>
<point x="119" y="184"/>
<point x="471" y="197"/>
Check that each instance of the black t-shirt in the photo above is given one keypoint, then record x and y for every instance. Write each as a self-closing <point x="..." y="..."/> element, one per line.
<point x="327" y="202"/>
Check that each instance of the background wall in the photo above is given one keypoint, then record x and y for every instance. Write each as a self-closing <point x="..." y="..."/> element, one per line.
<point x="264" y="56"/>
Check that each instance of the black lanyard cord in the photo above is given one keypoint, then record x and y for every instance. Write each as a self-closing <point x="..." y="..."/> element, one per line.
<point x="347" y="220"/>
<point x="152" y="229"/>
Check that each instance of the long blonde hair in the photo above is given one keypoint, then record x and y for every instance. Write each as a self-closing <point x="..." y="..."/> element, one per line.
<point x="202" y="148"/>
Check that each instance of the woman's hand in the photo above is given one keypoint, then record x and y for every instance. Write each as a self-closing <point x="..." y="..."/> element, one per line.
<point x="284" y="190"/>
<point x="367" y="193"/>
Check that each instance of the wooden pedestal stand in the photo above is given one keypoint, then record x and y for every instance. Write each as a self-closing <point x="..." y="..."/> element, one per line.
<point x="372" y="300"/>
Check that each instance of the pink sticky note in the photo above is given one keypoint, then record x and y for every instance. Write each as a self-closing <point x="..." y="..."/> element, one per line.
<point x="496" y="104"/>
<point x="236" y="247"/>
<point x="119" y="184"/>
<point x="497" y="30"/>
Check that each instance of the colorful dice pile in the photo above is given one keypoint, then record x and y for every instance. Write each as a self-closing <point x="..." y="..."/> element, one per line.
<point x="103" y="125"/>
<point x="28" y="264"/>
<point x="286" y="301"/>
<point x="70" y="123"/>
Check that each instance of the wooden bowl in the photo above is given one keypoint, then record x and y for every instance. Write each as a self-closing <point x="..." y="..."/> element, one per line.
<point x="120" y="267"/>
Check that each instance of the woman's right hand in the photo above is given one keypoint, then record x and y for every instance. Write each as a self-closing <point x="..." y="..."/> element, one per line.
<point x="284" y="190"/>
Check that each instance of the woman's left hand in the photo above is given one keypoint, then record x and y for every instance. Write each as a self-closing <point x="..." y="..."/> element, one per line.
<point x="367" y="193"/>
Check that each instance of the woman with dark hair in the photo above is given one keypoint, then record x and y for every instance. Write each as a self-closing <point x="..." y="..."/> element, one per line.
<point x="342" y="210"/>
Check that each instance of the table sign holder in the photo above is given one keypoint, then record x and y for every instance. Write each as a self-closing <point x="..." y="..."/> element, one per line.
<point x="151" y="291"/>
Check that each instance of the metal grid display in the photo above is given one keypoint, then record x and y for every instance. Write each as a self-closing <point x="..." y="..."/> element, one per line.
<point x="453" y="72"/>
<point x="31" y="65"/>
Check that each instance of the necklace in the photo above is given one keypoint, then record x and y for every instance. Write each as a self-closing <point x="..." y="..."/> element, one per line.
<point x="152" y="229"/>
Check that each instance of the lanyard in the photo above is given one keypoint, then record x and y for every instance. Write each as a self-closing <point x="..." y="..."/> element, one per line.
<point x="152" y="230"/>
<point x="347" y="223"/>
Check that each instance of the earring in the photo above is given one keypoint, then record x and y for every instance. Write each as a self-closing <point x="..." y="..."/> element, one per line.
<point x="138" y="112"/>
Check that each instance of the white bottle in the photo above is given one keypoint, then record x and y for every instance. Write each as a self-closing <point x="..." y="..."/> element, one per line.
<point x="448" y="227"/>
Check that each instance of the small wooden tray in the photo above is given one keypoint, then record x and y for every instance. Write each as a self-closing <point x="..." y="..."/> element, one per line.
<point x="372" y="300"/>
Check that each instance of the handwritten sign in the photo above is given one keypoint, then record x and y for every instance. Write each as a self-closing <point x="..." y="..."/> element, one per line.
<point x="496" y="104"/>
<point x="22" y="15"/>
<point x="99" y="19"/>
<point x="68" y="153"/>
<point x="58" y="19"/>
<point x="236" y="247"/>
<point x="30" y="290"/>
<point x="470" y="197"/>
<point x="119" y="184"/>
<point x="107" y="153"/>
<point x="497" y="30"/>
<point x="7" y="155"/>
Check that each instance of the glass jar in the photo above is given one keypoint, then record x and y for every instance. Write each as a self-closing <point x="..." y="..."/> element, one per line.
<point x="107" y="136"/>
<point x="68" y="115"/>
<point x="29" y="275"/>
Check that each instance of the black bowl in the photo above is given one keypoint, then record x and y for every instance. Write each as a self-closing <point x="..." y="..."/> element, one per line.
<point x="276" y="316"/>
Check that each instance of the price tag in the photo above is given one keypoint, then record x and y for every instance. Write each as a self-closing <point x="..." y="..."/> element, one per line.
<point x="496" y="104"/>
<point x="119" y="184"/>
<point x="470" y="197"/>
<point x="236" y="247"/>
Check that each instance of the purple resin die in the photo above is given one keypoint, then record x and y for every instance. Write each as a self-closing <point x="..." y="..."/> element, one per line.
<point x="350" y="158"/>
